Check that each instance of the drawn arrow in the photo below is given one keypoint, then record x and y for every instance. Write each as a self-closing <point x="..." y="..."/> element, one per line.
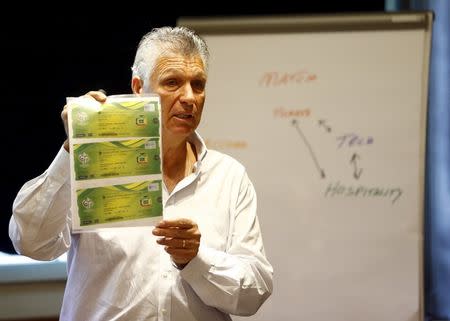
<point x="356" y="171"/>
<point x="311" y="152"/>
<point x="322" y="123"/>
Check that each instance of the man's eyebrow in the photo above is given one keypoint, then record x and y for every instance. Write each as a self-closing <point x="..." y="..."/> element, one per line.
<point x="171" y="70"/>
<point x="174" y="71"/>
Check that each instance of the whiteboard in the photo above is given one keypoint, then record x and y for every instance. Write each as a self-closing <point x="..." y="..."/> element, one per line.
<point x="328" y="114"/>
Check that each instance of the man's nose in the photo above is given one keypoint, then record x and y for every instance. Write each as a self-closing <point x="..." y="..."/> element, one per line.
<point x="188" y="95"/>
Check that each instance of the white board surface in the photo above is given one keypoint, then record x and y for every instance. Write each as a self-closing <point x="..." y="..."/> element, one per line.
<point x="331" y="127"/>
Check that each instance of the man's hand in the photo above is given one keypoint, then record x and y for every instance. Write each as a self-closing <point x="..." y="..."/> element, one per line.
<point x="99" y="96"/>
<point x="181" y="238"/>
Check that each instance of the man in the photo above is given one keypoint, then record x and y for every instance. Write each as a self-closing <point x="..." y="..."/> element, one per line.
<point x="204" y="261"/>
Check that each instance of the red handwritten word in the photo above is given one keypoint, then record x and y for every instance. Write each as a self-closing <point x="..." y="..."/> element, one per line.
<point x="275" y="79"/>
<point x="225" y="144"/>
<point x="282" y="112"/>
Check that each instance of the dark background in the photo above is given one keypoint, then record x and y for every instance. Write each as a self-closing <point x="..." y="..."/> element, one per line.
<point x="69" y="51"/>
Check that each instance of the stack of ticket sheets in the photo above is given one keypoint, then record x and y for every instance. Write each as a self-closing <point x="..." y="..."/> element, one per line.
<point x="115" y="165"/>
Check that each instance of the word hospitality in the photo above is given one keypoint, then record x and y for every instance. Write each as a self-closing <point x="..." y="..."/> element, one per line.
<point x="337" y="189"/>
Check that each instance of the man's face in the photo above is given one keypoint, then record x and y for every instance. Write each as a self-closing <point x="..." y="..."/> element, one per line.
<point x="180" y="81"/>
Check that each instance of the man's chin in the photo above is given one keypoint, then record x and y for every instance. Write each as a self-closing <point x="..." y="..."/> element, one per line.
<point x="179" y="132"/>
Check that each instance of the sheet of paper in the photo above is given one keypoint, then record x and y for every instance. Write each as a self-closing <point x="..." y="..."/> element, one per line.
<point x="116" y="177"/>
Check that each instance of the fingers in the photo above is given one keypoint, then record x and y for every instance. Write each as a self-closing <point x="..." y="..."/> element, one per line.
<point x="181" y="251"/>
<point x="181" y="255"/>
<point x="66" y="128"/>
<point x="180" y="238"/>
<point x="64" y="117"/>
<point x="98" y="95"/>
<point x="182" y="223"/>
<point x="178" y="228"/>
<point x="175" y="232"/>
<point x="177" y="243"/>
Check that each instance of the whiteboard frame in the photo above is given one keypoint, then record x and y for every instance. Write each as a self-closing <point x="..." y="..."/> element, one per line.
<point x="272" y="24"/>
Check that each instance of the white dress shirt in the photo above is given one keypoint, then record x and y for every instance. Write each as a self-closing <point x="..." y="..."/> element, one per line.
<point x="123" y="274"/>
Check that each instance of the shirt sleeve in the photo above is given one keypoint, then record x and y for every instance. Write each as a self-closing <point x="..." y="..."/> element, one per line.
<point x="239" y="280"/>
<point x="40" y="224"/>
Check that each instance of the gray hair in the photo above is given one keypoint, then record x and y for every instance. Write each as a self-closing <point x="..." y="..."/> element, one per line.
<point x="166" y="40"/>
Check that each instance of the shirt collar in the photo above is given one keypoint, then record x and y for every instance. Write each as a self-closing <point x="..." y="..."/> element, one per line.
<point x="201" y="150"/>
<point x="199" y="144"/>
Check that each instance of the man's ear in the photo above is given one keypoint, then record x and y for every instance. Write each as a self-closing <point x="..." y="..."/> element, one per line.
<point x="136" y="85"/>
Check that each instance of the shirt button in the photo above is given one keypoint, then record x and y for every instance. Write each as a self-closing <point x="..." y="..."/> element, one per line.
<point x="164" y="275"/>
<point x="163" y="311"/>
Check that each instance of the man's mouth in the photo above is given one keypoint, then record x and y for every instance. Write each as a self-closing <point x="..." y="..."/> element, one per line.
<point x="184" y="116"/>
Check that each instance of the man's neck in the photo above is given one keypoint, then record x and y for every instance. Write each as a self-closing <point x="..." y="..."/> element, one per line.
<point x="178" y="161"/>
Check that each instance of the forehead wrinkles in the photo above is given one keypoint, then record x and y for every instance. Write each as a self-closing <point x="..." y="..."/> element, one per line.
<point x="166" y="65"/>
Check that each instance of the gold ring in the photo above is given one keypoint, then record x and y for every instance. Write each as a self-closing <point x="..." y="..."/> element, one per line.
<point x="184" y="244"/>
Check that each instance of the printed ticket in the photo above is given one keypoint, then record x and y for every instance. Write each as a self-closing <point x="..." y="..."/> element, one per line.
<point x="115" y="119"/>
<point x="117" y="158"/>
<point x="119" y="203"/>
<point x="115" y="163"/>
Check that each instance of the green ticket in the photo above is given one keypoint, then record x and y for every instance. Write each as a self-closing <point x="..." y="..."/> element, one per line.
<point x="119" y="202"/>
<point x="117" y="158"/>
<point x="134" y="118"/>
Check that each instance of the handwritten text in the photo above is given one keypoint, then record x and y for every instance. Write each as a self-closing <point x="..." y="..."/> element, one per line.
<point x="337" y="189"/>
<point x="275" y="78"/>
<point x="349" y="140"/>
<point x="282" y="112"/>
<point x="225" y="143"/>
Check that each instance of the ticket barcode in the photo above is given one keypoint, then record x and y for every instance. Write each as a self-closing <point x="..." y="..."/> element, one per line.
<point x="151" y="144"/>
<point x="150" y="106"/>
<point x="153" y="187"/>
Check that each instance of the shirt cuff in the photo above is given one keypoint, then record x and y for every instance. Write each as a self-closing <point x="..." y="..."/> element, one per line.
<point x="199" y="265"/>
<point x="59" y="169"/>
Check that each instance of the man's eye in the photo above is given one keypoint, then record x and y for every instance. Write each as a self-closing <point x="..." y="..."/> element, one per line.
<point x="171" y="82"/>
<point x="198" y="85"/>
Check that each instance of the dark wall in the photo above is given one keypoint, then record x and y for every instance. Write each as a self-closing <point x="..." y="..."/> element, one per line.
<point x="69" y="52"/>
